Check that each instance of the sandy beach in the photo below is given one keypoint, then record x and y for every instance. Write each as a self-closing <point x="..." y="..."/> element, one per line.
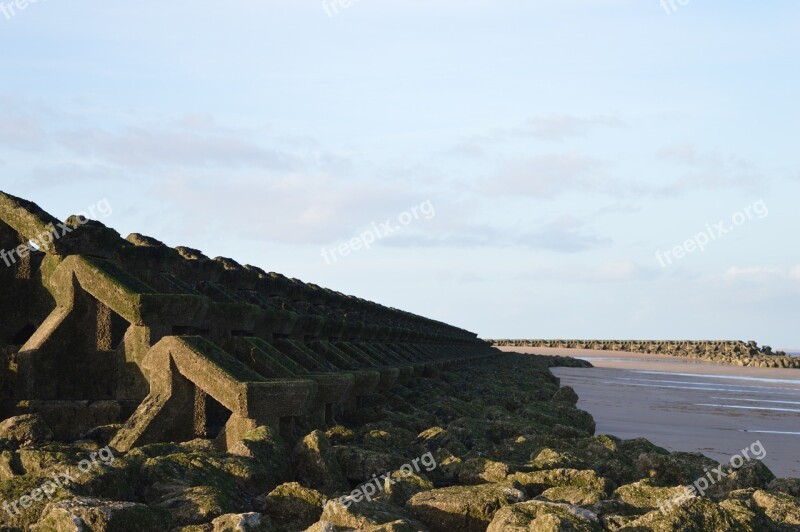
<point x="688" y="405"/>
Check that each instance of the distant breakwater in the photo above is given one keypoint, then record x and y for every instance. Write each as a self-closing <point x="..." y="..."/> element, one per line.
<point x="736" y="352"/>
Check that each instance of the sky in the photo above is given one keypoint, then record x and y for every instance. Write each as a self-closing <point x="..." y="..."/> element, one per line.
<point x="520" y="168"/>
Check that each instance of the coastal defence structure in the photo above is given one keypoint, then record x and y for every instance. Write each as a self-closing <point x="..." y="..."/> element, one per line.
<point x="98" y="330"/>
<point x="723" y="351"/>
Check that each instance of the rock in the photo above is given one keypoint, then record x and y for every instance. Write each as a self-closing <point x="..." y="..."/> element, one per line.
<point x="752" y="474"/>
<point x="742" y="509"/>
<point x="567" y="432"/>
<point x="86" y="514"/>
<point x="294" y="507"/>
<point x="481" y="471"/>
<point x="789" y="486"/>
<point x="401" y="486"/>
<point x="196" y="505"/>
<point x="367" y="515"/>
<point x="469" y="508"/>
<point x="316" y="465"/>
<point x="166" y="469"/>
<point x="28" y="509"/>
<point x="265" y="446"/>
<point x="536" y="482"/>
<point x="779" y="507"/>
<point x="102" y="434"/>
<point x="644" y="495"/>
<point x="9" y="465"/>
<point x="695" y="514"/>
<point x="359" y="465"/>
<point x="434" y="438"/>
<point x="340" y="435"/>
<point x="249" y="522"/>
<point x="447" y="468"/>
<point x="566" y="394"/>
<point x="548" y="458"/>
<point x="569" y="485"/>
<point x="673" y="469"/>
<point x="633" y="449"/>
<point x="543" y="516"/>
<point x="25" y="430"/>
<point x="385" y="438"/>
<point x="41" y="459"/>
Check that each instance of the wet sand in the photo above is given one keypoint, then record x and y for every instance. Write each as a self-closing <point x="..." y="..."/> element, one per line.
<point x="688" y="405"/>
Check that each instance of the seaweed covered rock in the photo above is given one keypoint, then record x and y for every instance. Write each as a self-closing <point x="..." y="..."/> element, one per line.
<point x="198" y="504"/>
<point x="359" y="465"/>
<point x="293" y="506"/>
<point x="789" y="486"/>
<point x="402" y="485"/>
<point x="482" y="471"/>
<point x="696" y="514"/>
<point x="27" y="510"/>
<point x="246" y="522"/>
<point x="751" y="474"/>
<point x="316" y="464"/>
<point x="566" y="394"/>
<point x="548" y="458"/>
<point x="469" y="508"/>
<point x="563" y="485"/>
<point x="645" y="495"/>
<point x="366" y="515"/>
<point x="543" y="516"/>
<point x="673" y="469"/>
<point x="267" y="449"/>
<point x="25" y="430"/>
<point x="780" y="508"/>
<point x="97" y="515"/>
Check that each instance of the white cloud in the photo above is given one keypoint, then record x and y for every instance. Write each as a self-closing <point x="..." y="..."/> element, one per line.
<point x="753" y="272"/>
<point x="708" y="170"/>
<point x="20" y="126"/>
<point x="551" y="175"/>
<point x="152" y="145"/>
<point x="556" y="127"/>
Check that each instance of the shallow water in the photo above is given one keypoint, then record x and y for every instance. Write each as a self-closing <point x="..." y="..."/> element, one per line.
<point x="688" y="405"/>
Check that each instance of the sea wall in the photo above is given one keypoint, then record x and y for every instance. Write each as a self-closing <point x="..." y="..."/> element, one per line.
<point x="734" y="352"/>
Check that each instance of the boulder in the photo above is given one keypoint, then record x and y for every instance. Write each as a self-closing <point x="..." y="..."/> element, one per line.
<point x="316" y="464"/>
<point x="294" y="507"/>
<point x="266" y="448"/>
<point x="782" y="509"/>
<point x="434" y="438"/>
<point x="481" y="471"/>
<point x="548" y="458"/>
<point x="789" y="486"/>
<point x="646" y="496"/>
<point x="402" y="485"/>
<point x="359" y="465"/>
<point x="367" y="515"/>
<point x="25" y="430"/>
<point x="196" y="505"/>
<point x="752" y="474"/>
<point x="696" y="513"/>
<point x="248" y="522"/>
<point x="447" y="468"/>
<point x="468" y="508"/>
<point x="97" y="515"/>
<point x="674" y="469"/>
<point x="543" y="516"/>
<point x="566" y="394"/>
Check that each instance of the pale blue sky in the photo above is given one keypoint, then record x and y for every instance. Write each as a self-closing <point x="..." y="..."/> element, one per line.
<point x="562" y="144"/>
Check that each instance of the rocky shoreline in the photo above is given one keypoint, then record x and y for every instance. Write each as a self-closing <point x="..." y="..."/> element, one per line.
<point x="496" y="443"/>
<point x="738" y="353"/>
